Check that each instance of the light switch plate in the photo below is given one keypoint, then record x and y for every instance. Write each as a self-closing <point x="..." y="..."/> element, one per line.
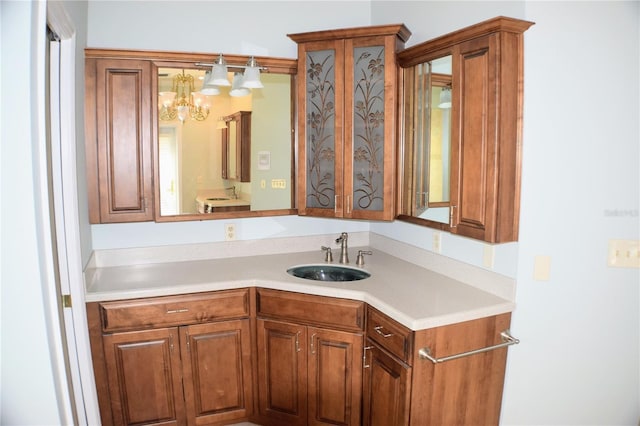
<point x="624" y="253"/>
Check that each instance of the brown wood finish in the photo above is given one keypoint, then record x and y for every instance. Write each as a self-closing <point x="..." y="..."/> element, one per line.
<point x="216" y="359"/>
<point x="308" y="375"/>
<point x="307" y="309"/>
<point x="144" y="374"/>
<point x="303" y="158"/>
<point x="302" y="372"/>
<point x="118" y="135"/>
<point x="487" y="144"/>
<point x="386" y="388"/>
<point x="167" y="311"/>
<point x="465" y="391"/>
<point x="99" y="363"/>
<point x="242" y="120"/>
<point x="342" y="42"/>
<point x="486" y="134"/>
<point x="389" y="334"/>
<point x="282" y="373"/>
<point x="334" y="392"/>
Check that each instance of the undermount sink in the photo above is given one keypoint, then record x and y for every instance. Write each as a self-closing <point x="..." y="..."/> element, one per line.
<point x="328" y="273"/>
<point x="218" y="199"/>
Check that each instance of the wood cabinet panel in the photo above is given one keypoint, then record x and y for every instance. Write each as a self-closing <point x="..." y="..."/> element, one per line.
<point x="334" y="390"/>
<point x="144" y="376"/>
<point x="464" y="391"/>
<point x="282" y="372"/>
<point x="389" y="334"/>
<point x="347" y="100"/>
<point x="118" y="139"/>
<point x="386" y="389"/>
<point x="307" y="309"/>
<point x="308" y="375"/>
<point x="216" y="360"/>
<point x="487" y="142"/>
<point x="174" y="310"/>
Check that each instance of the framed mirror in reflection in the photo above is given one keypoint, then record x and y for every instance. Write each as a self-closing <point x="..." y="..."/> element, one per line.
<point x="427" y="141"/>
<point x="209" y="145"/>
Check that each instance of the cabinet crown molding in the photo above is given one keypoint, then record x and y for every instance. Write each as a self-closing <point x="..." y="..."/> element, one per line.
<point x="400" y="30"/>
<point x="415" y="54"/>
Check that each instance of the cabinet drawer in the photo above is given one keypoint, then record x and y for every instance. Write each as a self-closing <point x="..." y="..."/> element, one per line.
<point x="389" y="334"/>
<point x="308" y="309"/>
<point x="174" y="310"/>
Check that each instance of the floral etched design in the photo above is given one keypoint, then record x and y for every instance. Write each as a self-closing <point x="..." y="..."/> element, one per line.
<point x="368" y="132"/>
<point x="320" y="141"/>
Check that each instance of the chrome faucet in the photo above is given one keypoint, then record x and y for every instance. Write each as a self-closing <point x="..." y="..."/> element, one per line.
<point x="234" y="194"/>
<point x="344" y="252"/>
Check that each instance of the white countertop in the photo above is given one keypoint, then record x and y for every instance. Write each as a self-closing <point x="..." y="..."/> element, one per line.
<point x="417" y="297"/>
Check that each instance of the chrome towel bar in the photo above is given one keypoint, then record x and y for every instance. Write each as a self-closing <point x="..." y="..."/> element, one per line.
<point x="507" y="340"/>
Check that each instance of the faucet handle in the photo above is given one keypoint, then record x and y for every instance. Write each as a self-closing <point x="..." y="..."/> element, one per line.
<point x="342" y="238"/>
<point x="360" y="258"/>
<point x="328" y="257"/>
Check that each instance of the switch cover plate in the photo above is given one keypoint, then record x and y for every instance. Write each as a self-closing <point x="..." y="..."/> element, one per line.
<point x="624" y="253"/>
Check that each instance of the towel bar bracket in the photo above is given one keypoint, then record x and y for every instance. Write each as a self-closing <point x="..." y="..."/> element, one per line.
<point x="507" y="340"/>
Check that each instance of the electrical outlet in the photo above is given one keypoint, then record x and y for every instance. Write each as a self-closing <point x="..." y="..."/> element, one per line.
<point x="437" y="242"/>
<point x="624" y="253"/>
<point x="229" y="232"/>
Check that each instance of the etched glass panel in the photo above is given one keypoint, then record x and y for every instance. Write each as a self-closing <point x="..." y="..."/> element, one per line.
<point x="368" y="128"/>
<point x="320" y="143"/>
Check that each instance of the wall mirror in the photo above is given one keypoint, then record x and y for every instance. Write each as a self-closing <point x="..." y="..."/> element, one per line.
<point x="427" y="91"/>
<point x="211" y="148"/>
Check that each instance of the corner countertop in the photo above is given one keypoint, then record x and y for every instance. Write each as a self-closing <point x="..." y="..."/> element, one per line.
<point x="416" y="297"/>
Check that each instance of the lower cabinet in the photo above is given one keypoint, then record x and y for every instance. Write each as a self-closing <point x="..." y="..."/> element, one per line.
<point x="308" y="375"/>
<point x="462" y="387"/>
<point x="386" y="390"/>
<point x="283" y="358"/>
<point x="195" y="374"/>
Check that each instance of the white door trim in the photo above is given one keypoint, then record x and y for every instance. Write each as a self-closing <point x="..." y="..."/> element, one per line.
<point x="65" y="200"/>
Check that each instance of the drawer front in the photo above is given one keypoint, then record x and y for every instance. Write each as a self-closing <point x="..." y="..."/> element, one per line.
<point x="174" y="310"/>
<point x="389" y="334"/>
<point x="308" y="309"/>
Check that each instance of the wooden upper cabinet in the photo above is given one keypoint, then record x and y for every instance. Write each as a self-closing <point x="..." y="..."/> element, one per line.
<point x="486" y="126"/>
<point x="118" y="110"/>
<point x="486" y="145"/>
<point x="347" y="113"/>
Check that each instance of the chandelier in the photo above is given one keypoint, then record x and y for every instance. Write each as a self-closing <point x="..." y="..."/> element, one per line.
<point x="183" y="101"/>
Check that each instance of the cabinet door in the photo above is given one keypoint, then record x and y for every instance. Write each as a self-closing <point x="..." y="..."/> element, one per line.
<point x="144" y="375"/>
<point x="486" y="146"/>
<point x="387" y="389"/>
<point x="335" y="377"/>
<point x="369" y="127"/>
<point x="320" y="127"/>
<point x="119" y="133"/>
<point x="216" y="359"/>
<point x="282" y="372"/>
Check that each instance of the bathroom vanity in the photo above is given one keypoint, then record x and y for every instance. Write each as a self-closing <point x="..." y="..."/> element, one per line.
<point x="211" y="341"/>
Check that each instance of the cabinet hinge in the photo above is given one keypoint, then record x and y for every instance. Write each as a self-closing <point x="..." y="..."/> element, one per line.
<point x="66" y="300"/>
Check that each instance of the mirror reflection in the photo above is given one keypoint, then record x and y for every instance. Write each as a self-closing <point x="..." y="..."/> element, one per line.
<point x="201" y="149"/>
<point x="427" y="134"/>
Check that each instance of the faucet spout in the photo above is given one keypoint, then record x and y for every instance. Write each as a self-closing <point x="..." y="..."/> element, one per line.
<point x="344" y="249"/>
